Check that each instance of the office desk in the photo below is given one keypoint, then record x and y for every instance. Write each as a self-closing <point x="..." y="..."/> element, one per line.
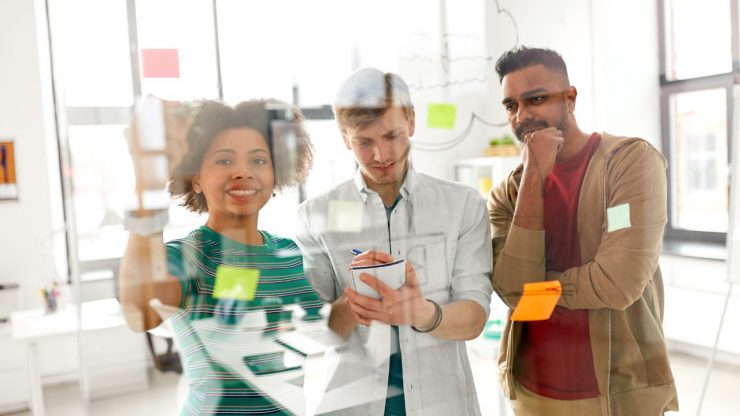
<point x="31" y="326"/>
<point x="300" y="391"/>
<point x="107" y="347"/>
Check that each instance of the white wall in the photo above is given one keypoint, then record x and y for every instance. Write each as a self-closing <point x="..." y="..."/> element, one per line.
<point x="626" y="86"/>
<point x="26" y="115"/>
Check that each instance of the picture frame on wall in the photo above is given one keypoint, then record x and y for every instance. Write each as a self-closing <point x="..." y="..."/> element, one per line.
<point x="8" y="179"/>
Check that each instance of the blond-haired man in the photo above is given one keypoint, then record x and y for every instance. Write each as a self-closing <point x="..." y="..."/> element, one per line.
<point x="407" y="347"/>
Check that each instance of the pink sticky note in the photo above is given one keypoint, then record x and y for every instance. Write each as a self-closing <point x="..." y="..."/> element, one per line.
<point x="160" y="63"/>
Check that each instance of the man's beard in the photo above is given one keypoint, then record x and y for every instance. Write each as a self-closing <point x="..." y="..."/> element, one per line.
<point x="531" y="126"/>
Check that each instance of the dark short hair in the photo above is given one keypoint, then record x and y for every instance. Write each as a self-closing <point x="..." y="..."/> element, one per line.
<point x="367" y="95"/>
<point x="523" y="57"/>
<point x="214" y="117"/>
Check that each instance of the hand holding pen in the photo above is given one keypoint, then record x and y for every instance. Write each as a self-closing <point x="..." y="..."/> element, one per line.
<point x="403" y="306"/>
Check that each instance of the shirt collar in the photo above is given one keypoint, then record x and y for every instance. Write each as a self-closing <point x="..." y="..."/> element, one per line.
<point x="407" y="188"/>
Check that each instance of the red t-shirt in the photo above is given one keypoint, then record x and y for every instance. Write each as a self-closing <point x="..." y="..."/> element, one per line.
<point x="554" y="358"/>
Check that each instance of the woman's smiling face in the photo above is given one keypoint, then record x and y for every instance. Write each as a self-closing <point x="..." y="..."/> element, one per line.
<point x="236" y="176"/>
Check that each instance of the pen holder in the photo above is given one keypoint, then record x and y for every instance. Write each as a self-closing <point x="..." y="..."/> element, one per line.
<point x="51" y="298"/>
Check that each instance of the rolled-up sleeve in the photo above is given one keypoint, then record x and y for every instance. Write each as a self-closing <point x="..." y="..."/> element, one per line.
<point x="471" y="274"/>
<point x="518" y="253"/>
<point x="316" y="263"/>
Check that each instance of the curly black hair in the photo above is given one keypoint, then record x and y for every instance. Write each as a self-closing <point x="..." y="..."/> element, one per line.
<point x="289" y="143"/>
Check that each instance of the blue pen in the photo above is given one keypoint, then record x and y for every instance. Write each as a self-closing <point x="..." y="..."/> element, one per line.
<point x="355" y="251"/>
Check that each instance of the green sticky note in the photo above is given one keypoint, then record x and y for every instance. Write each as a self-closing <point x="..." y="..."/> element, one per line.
<point x="235" y="283"/>
<point x="441" y="115"/>
<point x="618" y="217"/>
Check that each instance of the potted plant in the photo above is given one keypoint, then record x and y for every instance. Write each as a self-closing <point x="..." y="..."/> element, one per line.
<point x="501" y="146"/>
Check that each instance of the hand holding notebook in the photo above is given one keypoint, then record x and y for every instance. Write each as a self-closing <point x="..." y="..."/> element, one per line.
<point x="392" y="274"/>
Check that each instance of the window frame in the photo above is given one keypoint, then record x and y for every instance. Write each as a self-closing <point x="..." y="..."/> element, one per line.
<point x="727" y="81"/>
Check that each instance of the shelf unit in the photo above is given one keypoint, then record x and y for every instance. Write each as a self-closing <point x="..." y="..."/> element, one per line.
<point x="484" y="172"/>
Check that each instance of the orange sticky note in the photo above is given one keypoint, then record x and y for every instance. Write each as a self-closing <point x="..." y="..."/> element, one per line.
<point x="538" y="301"/>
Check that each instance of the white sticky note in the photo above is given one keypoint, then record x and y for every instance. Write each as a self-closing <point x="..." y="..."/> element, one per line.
<point x="344" y="217"/>
<point x="150" y="123"/>
<point x="154" y="169"/>
<point x="155" y="199"/>
<point x="618" y="217"/>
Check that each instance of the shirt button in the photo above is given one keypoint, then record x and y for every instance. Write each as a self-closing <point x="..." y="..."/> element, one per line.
<point x="411" y="387"/>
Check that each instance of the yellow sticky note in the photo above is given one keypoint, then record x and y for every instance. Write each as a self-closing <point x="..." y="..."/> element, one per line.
<point x="538" y="301"/>
<point x="618" y="217"/>
<point x="235" y="283"/>
<point x="441" y="115"/>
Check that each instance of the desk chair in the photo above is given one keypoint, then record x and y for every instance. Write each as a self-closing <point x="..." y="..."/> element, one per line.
<point x="169" y="360"/>
<point x="165" y="331"/>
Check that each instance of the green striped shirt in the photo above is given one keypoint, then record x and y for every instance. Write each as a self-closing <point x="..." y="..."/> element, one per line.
<point x="204" y="325"/>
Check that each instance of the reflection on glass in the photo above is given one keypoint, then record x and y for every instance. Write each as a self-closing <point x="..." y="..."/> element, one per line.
<point x="700" y="170"/>
<point x="191" y="35"/>
<point x="93" y="53"/>
<point x="691" y="27"/>
<point x="333" y="163"/>
<point x="266" y="47"/>
<point x="101" y="179"/>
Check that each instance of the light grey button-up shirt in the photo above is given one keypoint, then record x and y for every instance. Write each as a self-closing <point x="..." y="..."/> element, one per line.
<point x="442" y="228"/>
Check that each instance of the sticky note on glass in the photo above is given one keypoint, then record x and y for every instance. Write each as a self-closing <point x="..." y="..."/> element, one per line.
<point x="538" y="301"/>
<point x="618" y="217"/>
<point x="344" y="217"/>
<point x="441" y="115"/>
<point x="160" y="63"/>
<point x="149" y="115"/>
<point x="153" y="169"/>
<point x="235" y="283"/>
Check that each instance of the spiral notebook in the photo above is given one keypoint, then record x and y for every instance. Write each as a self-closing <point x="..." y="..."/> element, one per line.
<point x="392" y="274"/>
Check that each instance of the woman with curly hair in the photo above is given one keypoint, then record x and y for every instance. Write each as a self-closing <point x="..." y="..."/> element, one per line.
<point x="236" y="158"/>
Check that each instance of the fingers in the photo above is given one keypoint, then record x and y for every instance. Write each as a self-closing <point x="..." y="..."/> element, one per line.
<point x="371" y="257"/>
<point x="364" y="301"/>
<point x="552" y="133"/>
<point x="411" y="279"/>
<point x="385" y="291"/>
<point x="364" y="262"/>
<point x="375" y="255"/>
<point x="358" y="306"/>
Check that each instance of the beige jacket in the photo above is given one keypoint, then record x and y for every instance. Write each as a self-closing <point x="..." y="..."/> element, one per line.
<point x="619" y="282"/>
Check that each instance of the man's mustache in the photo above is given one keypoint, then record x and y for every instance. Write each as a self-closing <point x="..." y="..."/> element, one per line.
<point x="530" y="126"/>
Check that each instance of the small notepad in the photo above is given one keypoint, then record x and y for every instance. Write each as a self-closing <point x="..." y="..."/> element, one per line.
<point x="392" y="274"/>
<point x="538" y="301"/>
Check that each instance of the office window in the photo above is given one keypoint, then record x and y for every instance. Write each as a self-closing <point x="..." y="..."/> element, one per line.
<point x="699" y="171"/>
<point x="688" y="51"/>
<point x="94" y="57"/>
<point x="227" y="49"/>
<point x="269" y="47"/>
<point x="698" y="73"/>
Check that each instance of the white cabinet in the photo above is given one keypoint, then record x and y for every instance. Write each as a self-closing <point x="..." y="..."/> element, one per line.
<point x="14" y="394"/>
<point x="113" y="359"/>
<point x="484" y="172"/>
